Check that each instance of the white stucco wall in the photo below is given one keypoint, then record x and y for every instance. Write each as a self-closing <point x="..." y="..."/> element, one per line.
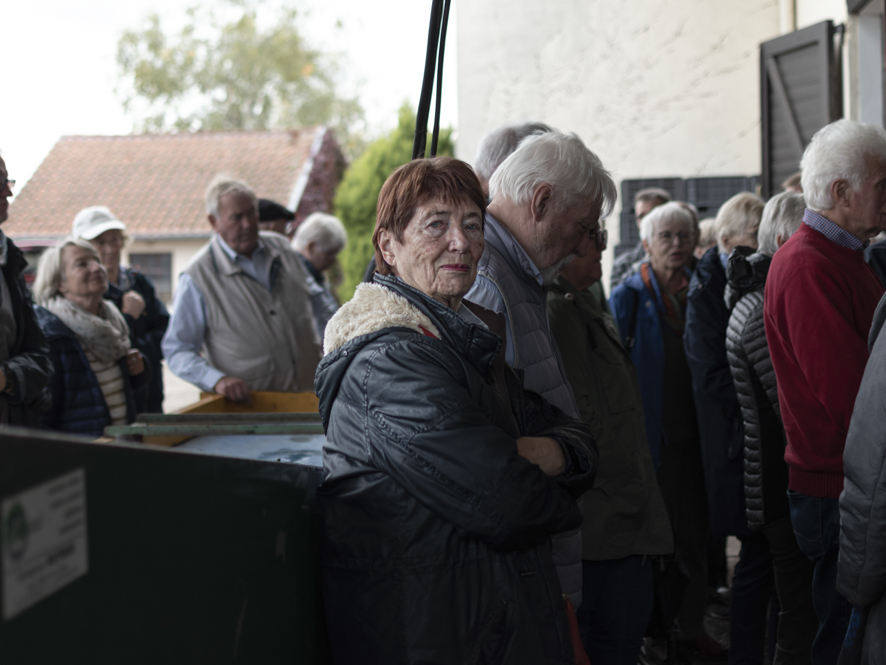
<point x="658" y="88"/>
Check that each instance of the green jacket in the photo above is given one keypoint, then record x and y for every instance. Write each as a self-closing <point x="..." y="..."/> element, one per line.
<point x="624" y="513"/>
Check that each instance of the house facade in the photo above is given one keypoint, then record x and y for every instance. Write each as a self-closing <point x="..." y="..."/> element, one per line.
<point x="679" y="93"/>
<point x="155" y="184"/>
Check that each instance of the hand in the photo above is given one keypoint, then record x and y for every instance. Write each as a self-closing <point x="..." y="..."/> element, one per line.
<point x="234" y="389"/>
<point x="133" y="304"/>
<point x="134" y="362"/>
<point x="544" y="452"/>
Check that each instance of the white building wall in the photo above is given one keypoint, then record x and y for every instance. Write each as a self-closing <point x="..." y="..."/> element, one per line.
<point x="655" y="88"/>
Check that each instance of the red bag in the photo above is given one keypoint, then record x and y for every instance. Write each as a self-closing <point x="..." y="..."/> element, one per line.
<point x="581" y="658"/>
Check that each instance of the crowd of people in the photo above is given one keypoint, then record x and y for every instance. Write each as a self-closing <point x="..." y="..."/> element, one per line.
<point x="518" y="469"/>
<point x="248" y="315"/>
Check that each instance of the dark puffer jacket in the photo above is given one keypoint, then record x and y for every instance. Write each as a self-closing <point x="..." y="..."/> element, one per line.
<point x="437" y="536"/>
<point x="765" y="471"/>
<point x="78" y="404"/>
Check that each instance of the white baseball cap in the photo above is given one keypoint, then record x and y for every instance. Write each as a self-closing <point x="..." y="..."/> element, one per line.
<point x="91" y="222"/>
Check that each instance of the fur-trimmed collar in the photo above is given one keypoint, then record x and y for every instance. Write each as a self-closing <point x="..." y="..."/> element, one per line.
<point x="373" y="308"/>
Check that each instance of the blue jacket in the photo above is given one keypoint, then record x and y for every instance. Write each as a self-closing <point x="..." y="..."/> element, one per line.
<point x="78" y="404"/>
<point x="716" y="401"/>
<point x="647" y="351"/>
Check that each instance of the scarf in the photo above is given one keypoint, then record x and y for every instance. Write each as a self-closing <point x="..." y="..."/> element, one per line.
<point x="104" y="337"/>
<point x="674" y="304"/>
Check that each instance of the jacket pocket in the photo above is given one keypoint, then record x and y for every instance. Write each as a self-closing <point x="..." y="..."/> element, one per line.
<point x="495" y="634"/>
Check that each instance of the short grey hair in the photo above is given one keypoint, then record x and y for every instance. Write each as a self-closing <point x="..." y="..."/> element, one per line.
<point x="560" y="160"/>
<point x="325" y="230"/>
<point x="738" y="216"/>
<point x="498" y="144"/>
<point x="665" y="213"/>
<point x="222" y="185"/>
<point x="782" y="216"/>
<point x="840" y="150"/>
<point x="707" y="232"/>
<point x="50" y="271"/>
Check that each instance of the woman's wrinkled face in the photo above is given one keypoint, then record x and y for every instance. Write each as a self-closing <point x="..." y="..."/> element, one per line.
<point x="670" y="247"/>
<point x="441" y="247"/>
<point x="83" y="275"/>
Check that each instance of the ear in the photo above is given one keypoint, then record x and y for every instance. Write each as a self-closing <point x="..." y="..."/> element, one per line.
<point x="212" y="221"/>
<point x="646" y="246"/>
<point x="385" y="244"/>
<point x="540" y="203"/>
<point x="840" y="191"/>
<point x="779" y="240"/>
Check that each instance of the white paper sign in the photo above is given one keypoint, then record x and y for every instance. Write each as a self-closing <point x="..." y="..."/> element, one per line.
<point x="44" y="541"/>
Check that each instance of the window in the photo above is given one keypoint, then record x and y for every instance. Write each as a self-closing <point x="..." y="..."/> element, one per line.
<point x="158" y="269"/>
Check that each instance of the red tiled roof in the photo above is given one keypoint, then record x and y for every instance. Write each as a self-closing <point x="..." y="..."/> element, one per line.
<point x="154" y="183"/>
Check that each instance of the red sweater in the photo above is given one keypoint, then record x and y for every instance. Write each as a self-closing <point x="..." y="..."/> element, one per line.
<point x="819" y="302"/>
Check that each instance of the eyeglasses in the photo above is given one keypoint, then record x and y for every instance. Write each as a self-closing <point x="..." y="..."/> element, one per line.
<point x="600" y="238"/>
<point x="10" y="183"/>
<point x="667" y="237"/>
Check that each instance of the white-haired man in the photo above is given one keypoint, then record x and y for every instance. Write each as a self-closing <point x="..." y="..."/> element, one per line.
<point x="547" y="197"/>
<point x="819" y="302"/>
<point x="318" y="241"/>
<point x="242" y="301"/>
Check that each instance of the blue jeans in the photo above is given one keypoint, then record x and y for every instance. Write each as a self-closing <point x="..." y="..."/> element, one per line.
<point x="615" y="609"/>
<point x="816" y="522"/>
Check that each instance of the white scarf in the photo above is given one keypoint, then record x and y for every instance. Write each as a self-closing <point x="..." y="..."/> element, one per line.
<point x="105" y="337"/>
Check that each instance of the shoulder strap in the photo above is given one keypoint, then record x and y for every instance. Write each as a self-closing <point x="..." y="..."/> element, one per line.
<point x="632" y="325"/>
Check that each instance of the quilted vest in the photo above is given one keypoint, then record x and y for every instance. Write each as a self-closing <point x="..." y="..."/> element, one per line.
<point x="505" y="264"/>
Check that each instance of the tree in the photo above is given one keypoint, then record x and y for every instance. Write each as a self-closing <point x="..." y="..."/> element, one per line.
<point x="357" y="195"/>
<point x="224" y="70"/>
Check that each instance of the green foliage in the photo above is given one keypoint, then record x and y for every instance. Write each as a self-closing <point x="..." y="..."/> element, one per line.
<point x="357" y="195"/>
<point x="225" y="71"/>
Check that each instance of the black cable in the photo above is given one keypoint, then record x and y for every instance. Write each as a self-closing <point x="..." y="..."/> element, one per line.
<point x="424" y="102"/>
<point x="436" y="133"/>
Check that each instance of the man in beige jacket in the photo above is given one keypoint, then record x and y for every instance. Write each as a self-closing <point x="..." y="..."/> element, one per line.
<point x="242" y="313"/>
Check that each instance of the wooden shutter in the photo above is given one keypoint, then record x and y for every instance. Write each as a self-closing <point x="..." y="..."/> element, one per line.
<point x="801" y="91"/>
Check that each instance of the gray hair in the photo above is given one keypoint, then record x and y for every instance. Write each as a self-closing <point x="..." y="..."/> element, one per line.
<point x="652" y="194"/>
<point x="707" y="232"/>
<point x="560" y="160"/>
<point x="782" y="216"/>
<point x="738" y="216"/>
<point x="665" y="213"/>
<point x="221" y="185"/>
<point x="325" y="230"/>
<point x="498" y="144"/>
<point x="50" y="270"/>
<point x="839" y="151"/>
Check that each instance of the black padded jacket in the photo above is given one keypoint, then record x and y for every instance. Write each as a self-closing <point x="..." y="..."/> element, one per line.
<point x="437" y="534"/>
<point x="765" y="471"/>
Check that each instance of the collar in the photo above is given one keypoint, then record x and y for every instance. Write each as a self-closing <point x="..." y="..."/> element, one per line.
<point x="234" y="255"/>
<point x="316" y="274"/>
<point x="514" y="249"/>
<point x="836" y="234"/>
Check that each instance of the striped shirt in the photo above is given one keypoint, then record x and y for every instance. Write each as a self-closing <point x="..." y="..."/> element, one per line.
<point x="110" y="378"/>
<point x="832" y="232"/>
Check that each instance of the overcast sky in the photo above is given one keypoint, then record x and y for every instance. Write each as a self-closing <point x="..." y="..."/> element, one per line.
<point x="59" y="68"/>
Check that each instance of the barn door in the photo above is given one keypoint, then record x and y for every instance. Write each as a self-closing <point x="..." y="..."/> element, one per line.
<point x="801" y="91"/>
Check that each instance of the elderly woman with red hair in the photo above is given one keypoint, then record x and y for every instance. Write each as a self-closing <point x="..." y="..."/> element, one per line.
<point x="444" y="479"/>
